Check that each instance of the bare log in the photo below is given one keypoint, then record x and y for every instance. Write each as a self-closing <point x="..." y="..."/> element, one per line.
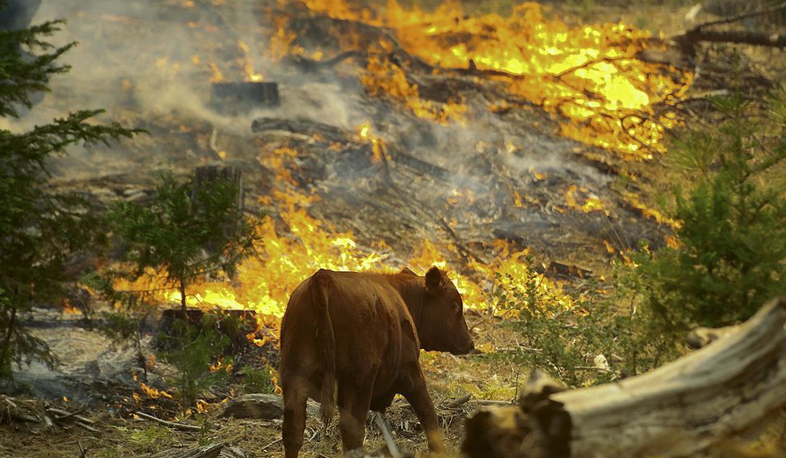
<point x="725" y="390"/>
<point x="219" y="450"/>
<point x="258" y="405"/>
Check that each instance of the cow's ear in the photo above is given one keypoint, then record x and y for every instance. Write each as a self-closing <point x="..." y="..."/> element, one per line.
<point x="406" y="270"/>
<point x="433" y="279"/>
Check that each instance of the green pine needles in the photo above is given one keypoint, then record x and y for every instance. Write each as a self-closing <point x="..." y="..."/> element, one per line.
<point x="39" y="229"/>
<point x="732" y="253"/>
<point x="188" y="233"/>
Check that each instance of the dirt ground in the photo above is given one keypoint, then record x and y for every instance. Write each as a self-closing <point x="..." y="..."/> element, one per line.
<point x="121" y="434"/>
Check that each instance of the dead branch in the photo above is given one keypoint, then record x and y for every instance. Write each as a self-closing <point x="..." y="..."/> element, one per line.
<point x="741" y="16"/>
<point x="67" y="415"/>
<point x="82" y="450"/>
<point x="63" y="414"/>
<point x="684" y="408"/>
<point x="171" y="424"/>
<point x="459" y="401"/>
<point x="86" y="427"/>
<point x="383" y="426"/>
<point x="736" y="36"/>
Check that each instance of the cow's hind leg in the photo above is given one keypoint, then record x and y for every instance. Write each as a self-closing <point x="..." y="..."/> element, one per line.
<point x="354" y="410"/>
<point x="420" y="401"/>
<point x="295" y="397"/>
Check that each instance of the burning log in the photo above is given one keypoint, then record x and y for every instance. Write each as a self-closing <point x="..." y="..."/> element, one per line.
<point x="239" y="97"/>
<point x="686" y="407"/>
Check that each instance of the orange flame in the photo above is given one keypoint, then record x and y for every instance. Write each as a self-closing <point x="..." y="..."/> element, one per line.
<point x="591" y="202"/>
<point x="248" y="66"/>
<point x="217" y="76"/>
<point x="588" y="75"/>
<point x="364" y="133"/>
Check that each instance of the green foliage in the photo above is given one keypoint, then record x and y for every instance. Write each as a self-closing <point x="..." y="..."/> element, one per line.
<point x="560" y="340"/>
<point x="732" y="253"/>
<point x="565" y="340"/>
<point x="149" y="439"/>
<point x="172" y="233"/>
<point x="258" y="380"/>
<point x="40" y="228"/>
<point x="194" y="349"/>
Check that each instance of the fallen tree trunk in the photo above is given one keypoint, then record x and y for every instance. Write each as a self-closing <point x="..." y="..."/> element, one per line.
<point x="724" y="390"/>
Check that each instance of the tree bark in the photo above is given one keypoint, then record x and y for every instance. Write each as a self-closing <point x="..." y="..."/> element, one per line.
<point x="730" y="387"/>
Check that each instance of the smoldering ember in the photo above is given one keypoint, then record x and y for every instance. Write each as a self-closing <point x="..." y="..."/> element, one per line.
<point x="602" y="184"/>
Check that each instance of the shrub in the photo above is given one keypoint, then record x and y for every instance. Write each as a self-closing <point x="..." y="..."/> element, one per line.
<point x="193" y="350"/>
<point x="731" y="252"/>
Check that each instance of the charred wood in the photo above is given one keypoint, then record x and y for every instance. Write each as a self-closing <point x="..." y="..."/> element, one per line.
<point x="238" y="97"/>
<point x="297" y="126"/>
<point x="306" y="65"/>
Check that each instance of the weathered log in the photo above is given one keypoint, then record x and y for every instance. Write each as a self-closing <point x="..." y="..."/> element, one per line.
<point x="219" y="450"/>
<point x="725" y="390"/>
<point x="261" y="406"/>
<point x="257" y="405"/>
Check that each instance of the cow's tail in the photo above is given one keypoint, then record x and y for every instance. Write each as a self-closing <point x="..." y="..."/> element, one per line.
<point x="327" y="340"/>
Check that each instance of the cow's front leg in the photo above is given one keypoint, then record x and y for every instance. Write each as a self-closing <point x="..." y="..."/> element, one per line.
<point x="420" y="400"/>
<point x="353" y="412"/>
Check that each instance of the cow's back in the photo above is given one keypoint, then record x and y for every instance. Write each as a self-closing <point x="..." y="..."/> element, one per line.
<point x="367" y="317"/>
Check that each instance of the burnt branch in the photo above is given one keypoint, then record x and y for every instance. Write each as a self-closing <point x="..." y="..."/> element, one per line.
<point x="776" y="40"/>
<point x="741" y="16"/>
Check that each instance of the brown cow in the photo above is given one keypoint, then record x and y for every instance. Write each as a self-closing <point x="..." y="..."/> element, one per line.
<point x="354" y="339"/>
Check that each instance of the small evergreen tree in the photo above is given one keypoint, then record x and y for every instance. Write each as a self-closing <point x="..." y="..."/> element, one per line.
<point x="171" y="234"/>
<point x="39" y="229"/>
<point x="187" y="234"/>
<point x="731" y="256"/>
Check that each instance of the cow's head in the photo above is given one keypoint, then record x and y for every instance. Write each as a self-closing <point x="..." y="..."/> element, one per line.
<point x="441" y="325"/>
